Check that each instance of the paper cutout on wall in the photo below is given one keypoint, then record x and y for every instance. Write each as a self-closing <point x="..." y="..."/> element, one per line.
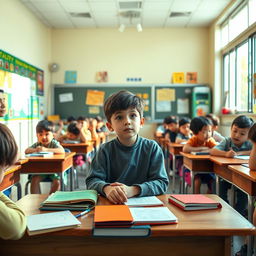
<point x="95" y="98"/>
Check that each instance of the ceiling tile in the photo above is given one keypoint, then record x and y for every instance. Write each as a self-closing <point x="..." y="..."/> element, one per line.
<point x="79" y="6"/>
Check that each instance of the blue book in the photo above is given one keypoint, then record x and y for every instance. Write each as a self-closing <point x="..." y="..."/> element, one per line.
<point x="201" y="153"/>
<point x="135" y="231"/>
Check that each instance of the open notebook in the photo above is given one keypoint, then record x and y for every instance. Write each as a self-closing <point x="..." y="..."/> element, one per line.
<point x="50" y="222"/>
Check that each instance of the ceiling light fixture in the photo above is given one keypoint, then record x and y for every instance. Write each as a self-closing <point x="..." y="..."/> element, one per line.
<point x="121" y="28"/>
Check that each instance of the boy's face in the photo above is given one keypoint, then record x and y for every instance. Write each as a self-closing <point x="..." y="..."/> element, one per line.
<point x="205" y="133"/>
<point x="172" y="127"/>
<point x="126" y="124"/>
<point x="71" y="136"/>
<point x="239" y="135"/>
<point x="185" y="129"/>
<point x="45" y="137"/>
<point x="2" y="104"/>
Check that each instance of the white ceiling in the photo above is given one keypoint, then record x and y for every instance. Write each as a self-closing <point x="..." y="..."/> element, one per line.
<point x="105" y="13"/>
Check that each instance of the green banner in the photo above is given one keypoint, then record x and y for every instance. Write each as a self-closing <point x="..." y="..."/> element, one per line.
<point x="15" y="65"/>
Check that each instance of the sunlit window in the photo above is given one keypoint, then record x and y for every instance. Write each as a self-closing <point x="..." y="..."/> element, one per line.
<point x="239" y="62"/>
<point x="252" y="12"/>
<point x="238" y="23"/>
<point x="242" y="78"/>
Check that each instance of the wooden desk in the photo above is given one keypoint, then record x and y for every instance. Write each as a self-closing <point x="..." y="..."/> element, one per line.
<point x="220" y="167"/>
<point x="174" y="149"/>
<point x="197" y="233"/>
<point x="58" y="163"/>
<point x="245" y="179"/>
<point x="12" y="177"/>
<point x="82" y="148"/>
<point x="196" y="164"/>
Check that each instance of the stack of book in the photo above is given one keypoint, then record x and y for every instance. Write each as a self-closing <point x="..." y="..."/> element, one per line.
<point x="191" y="202"/>
<point x="122" y="220"/>
<point x="70" y="200"/>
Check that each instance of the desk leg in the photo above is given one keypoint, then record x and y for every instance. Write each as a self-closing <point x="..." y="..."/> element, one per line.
<point x="183" y="180"/>
<point x="19" y="193"/>
<point x="71" y="178"/>
<point x="217" y="185"/>
<point x="232" y="196"/>
<point x="61" y="181"/>
<point x="192" y="182"/>
<point x="173" y="172"/>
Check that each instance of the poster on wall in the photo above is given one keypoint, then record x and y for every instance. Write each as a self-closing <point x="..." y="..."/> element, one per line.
<point x="10" y="64"/>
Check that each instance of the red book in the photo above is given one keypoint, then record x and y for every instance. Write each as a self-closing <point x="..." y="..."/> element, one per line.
<point x="192" y="202"/>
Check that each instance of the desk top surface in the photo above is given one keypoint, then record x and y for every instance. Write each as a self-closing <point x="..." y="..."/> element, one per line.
<point x="220" y="222"/>
<point x="227" y="161"/>
<point x="243" y="171"/>
<point x="195" y="157"/>
<point x="55" y="157"/>
<point x="11" y="169"/>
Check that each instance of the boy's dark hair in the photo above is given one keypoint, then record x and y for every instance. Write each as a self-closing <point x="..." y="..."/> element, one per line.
<point x="81" y="118"/>
<point x="242" y="122"/>
<point x="184" y="120"/>
<point x="1" y="91"/>
<point x="197" y="124"/>
<point x="8" y="146"/>
<point x="215" y="120"/>
<point x="70" y="119"/>
<point x="252" y="133"/>
<point x="44" y="125"/>
<point x="98" y="118"/>
<point x="170" y="120"/>
<point x="72" y="128"/>
<point x="122" y="100"/>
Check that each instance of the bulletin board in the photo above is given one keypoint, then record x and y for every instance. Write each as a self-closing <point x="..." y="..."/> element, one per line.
<point x="88" y="100"/>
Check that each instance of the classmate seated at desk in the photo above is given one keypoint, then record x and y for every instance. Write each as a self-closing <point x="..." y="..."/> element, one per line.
<point x="182" y="137"/>
<point x="45" y="142"/>
<point x="81" y="120"/>
<point x="236" y="144"/>
<point x="201" y="141"/>
<point x="129" y="165"/>
<point x="215" y="124"/>
<point x="101" y="128"/>
<point x="75" y="132"/>
<point x="12" y="219"/>
<point x="172" y="129"/>
<point x="252" y="166"/>
<point x="184" y="133"/>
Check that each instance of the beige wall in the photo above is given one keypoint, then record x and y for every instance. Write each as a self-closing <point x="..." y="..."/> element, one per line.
<point x="152" y="54"/>
<point x="23" y="36"/>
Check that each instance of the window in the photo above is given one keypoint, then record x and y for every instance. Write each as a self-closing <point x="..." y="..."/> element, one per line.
<point x="239" y="59"/>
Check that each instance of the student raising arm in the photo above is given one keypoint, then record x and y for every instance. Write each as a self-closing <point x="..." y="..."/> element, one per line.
<point x="12" y="219"/>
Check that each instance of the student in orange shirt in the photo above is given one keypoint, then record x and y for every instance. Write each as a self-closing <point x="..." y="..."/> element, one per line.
<point x="201" y="141"/>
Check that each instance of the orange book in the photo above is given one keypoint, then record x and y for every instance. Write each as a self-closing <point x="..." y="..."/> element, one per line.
<point x="112" y="215"/>
<point x="190" y="202"/>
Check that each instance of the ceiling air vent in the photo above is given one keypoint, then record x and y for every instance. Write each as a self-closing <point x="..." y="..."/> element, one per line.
<point x="80" y="14"/>
<point x="179" y="14"/>
<point x="130" y="5"/>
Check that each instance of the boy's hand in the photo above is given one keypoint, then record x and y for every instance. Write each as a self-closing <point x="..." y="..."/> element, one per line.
<point x="205" y="149"/>
<point x="40" y="148"/>
<point x="115" y="194"/>
<point x="230" y="153"/>
<point x="130" y="191"/>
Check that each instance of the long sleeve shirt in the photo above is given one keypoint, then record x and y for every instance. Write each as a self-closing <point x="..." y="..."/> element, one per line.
<point x="141" y="164"/>
<point x="12" y="219"/>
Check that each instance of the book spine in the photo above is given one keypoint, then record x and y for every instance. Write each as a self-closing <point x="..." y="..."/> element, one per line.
<point x="175" y="203"/>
